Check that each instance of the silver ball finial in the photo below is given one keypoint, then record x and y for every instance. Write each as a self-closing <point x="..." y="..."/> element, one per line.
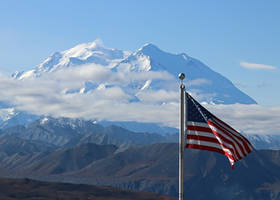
<point x="181" y="76"/>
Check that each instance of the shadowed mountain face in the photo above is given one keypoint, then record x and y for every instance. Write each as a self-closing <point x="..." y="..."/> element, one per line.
<point x="65" y="132"/>
<point x="154" y="168"/>
<point x="16" y="152"/>
<point x="68" y="160"/>
<point x="13" y="144"/>
<point x="70" y="151"/>
<point x="14" y="189"/>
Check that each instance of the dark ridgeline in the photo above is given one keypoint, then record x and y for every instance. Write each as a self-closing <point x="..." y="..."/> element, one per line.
<point x="65" y="132"/>
<point x="154" y="168"/>
<point x="26" y="189"/>
<point x="83" y="152"/>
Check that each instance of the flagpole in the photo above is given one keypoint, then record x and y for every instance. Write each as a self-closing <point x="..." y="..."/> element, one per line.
<point x="181" y="138"/>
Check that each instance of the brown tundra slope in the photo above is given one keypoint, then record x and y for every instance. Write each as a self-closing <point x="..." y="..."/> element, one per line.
<point x="15" y="189"/>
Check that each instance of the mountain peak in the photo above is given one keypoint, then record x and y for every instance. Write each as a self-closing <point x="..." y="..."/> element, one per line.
<point x="149" y="48"/>
<point x="205" y="82"/>
<point x="92" y="52"/>
<point x="94" y="45"/>
<point x="84" y="50"/>
<point x="149" y="45"/>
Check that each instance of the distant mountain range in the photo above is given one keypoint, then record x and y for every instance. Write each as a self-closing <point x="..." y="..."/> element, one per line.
<point x="152" y="168"/>
<point x="78" y="151"/>
<point x="66" y="132"/>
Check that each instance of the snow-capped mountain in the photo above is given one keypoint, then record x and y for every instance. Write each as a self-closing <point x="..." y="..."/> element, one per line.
<point x="201" y="80"/>
<point x="10" y="117"/>
<point x="93" y="52"/>
<point x="146" y="75"/>
<point x="264" y="141"/>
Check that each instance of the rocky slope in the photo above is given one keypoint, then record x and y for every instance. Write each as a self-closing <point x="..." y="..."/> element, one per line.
<point x="14" y="189"/>
<point x="154" y="168"/>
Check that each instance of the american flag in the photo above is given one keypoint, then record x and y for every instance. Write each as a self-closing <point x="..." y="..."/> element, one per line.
<point x="207" y="132"/>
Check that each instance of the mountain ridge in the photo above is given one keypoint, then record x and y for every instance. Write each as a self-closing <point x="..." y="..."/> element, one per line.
<point x="153" y="168"/>
<point x="154" y="60"/>
<point x="67" y="132"/>
<point x="26" y="189"/>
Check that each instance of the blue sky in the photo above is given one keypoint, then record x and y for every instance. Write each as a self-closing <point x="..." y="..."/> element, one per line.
<point x="222" y="34"/>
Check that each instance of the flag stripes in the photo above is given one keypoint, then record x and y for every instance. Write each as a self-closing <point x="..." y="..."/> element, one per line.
<point x="207" y="132"/>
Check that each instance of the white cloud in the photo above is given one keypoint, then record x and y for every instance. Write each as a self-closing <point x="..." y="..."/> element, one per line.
<point x="47" y="96"/>
<point x="256" y="66"/>
<point x="158" y="96"/>
<point x="250" y="119"/>
<point x="100" y="74"/>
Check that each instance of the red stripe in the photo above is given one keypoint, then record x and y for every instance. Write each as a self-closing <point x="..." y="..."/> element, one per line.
<point x="209" y="130"/>
<point x="237" y="134"/>
<point x="195" y="146"/>
<point x="243" y="143"/>
<point x="203" y="138"/>
<point x="228" y="134"/>
<point x="213" y="140"/>
<point x="234" y="144"/>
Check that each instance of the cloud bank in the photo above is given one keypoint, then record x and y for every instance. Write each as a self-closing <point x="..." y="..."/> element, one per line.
<point x="62" y="94"/>
<point x="250" y="119"/>
<point x="59" y="94"/>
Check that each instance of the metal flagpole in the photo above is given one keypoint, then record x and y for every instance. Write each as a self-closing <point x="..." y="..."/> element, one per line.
<point x="181" y="138"/>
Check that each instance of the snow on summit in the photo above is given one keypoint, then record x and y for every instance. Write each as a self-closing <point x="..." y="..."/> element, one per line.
<point x="93" y="52"/>
<point x="140" y="68"/>
<point x="92" y="81"/>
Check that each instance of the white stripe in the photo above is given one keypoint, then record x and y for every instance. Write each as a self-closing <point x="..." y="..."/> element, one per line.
<point x="209" y="144"/>
<point x="201" y="124"/>
<point x="233" y="133"/>
<point x="211" y="135"/>
<point x="236" y="135"/>
<point x="201" y="133"/>
<point x="227" y="127"/>
<point x="236" y="147"/>
<point x="206" y="125"/>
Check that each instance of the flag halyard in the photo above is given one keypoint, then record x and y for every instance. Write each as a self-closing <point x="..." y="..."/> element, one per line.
<point x="206" y="132"/>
